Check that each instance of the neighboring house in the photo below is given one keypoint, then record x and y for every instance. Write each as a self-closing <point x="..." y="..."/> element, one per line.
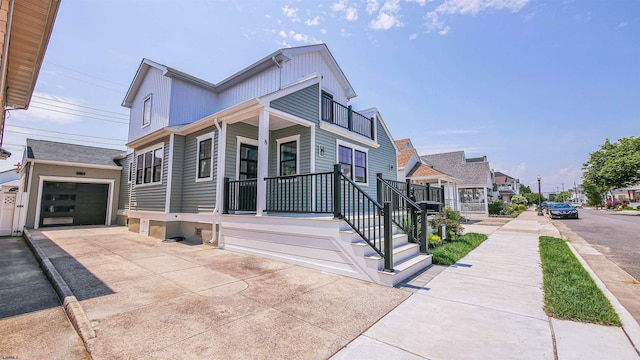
<point x="9" y="175"/>
<point x="70" y="184"/>
<point x="25" y="28"/>
<point x="631" y="193"/>
<point x="412" y="167"/>
<point x="505" y="187"/>
<point x="248" y="164"/>
<point x="474" y="179"/>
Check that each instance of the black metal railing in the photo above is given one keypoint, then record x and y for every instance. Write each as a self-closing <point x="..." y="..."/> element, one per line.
<point x="405" y="213"/>
<point x="419" y="192"/>
<point x="345" y="117"/>
<point x="309" y="193"/>
<point x="364" y="215"/>
<point x="240" y="195"/>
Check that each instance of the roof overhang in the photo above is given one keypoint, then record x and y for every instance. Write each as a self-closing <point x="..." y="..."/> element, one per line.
<point x="29" y="27"/>
<point x="82" y="165"/>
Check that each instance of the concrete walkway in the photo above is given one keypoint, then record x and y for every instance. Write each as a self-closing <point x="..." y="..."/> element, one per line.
<point x="489" y="306"/>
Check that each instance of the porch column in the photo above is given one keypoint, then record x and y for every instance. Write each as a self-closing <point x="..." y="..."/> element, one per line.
<point x="263" y="161"/>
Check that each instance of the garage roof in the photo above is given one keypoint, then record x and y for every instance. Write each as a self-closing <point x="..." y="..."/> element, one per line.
<point x="50" y="151"/>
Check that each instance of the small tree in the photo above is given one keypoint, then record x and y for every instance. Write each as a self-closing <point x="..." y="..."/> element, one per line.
<point x="525" y="189"/>
<point x="594" y="194"/>
<point x="533" y="198"/>
<point x="519" y="200"/>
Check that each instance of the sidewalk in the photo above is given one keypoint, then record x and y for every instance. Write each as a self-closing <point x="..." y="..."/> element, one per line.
<point x="489" y="306"/>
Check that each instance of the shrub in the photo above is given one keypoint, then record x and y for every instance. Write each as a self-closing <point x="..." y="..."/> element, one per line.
<point x="496" y="207"/>
<point x="519" y="200"/>
<point x="451" y="219"/>
<point x="434" y="240"/>
<point x="522" y="207"/>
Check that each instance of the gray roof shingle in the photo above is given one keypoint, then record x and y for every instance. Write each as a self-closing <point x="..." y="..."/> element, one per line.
<point x="71" y="153"/>
<point x="455" y="164"/>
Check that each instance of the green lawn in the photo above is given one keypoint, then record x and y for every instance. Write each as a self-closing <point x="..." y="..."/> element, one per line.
<point x="569" y="292"/>
<point x="451" y="252"/>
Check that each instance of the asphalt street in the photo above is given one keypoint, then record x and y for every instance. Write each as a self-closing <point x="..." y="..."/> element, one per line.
<point x="615" y="236"/>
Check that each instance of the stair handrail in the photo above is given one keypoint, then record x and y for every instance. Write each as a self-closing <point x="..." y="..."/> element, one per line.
<point x="405" y="213"/>
<point x="366" y="216"/>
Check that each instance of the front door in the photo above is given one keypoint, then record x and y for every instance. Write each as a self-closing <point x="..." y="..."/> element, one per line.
<point x="248" y="190"/>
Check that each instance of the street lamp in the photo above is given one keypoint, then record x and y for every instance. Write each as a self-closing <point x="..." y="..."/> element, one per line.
<point x="539" y="198"/>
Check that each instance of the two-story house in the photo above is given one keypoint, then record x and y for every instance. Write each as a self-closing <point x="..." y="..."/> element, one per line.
<point x="269" y="161"/>
<point x="504" y="186"/>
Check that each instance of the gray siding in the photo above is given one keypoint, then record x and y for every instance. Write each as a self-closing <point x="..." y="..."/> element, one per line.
<point x="152" y="197"/>
<point x="382" y="157"/>
<point x="200" y="196"/>
<point x="189" y="103"/>
<point x="125" y="185"/>
<point x="177" y="177"/>
<point x="305" y="148"/>
<point x="303" y="103"/>
<point x="159" y="87"/>
<point x="234" y="130"/>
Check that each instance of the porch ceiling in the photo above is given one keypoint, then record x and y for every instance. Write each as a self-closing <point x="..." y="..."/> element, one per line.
<point x="275" y="122"/>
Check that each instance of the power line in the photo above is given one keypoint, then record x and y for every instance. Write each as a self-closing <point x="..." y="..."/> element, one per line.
<point x="63" y="138"/>
<point x="85" y="74"/>
<point x="64" y="133"/>
<point x="84" y="116"/>
<point x="82" y="111"/>
<point x="91" y="83"/>
<point x="87" y="107"/>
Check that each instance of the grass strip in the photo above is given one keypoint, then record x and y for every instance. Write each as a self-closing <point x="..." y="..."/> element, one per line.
<point x="569" y="292"/>
<point x="451" y="252"/>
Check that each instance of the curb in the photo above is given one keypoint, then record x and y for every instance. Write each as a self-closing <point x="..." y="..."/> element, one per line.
<point x="70" y="304"/>
<point x="629" y="325"/>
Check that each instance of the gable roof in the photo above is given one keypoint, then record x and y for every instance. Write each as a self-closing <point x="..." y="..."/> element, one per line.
<point x="54" y="152"/>
<point x="455" y="164"/>
<point x="274" y="59"/>
<point x="404" y="157"/>
<point x="424" y="170"/>
<point x="402" y="143"/>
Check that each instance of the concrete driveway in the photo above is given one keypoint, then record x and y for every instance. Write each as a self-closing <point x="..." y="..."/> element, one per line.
<point x="150" y="299"/>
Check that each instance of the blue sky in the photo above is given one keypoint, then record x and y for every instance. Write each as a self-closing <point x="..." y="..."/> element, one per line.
<point x="534" y="85"/>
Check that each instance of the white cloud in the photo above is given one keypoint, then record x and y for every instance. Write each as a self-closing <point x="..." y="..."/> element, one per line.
<point x="517" y="172"/>
<point x="351" y="14"/>
<point x="387" y="16"/>
<point x="419" y="2"/>
<point x="298" y="37"/>
<point x="313" y="22"/>
<point x="413" y="36"/>
<point x="622" y="24"/>
<point x="339" y="6"/>
<point x="467" y="7"/>
<point x="323" y="31"/>
<point x="282" y="34"/>
<point x="290" y="12"/>
<point x="344" y="33"/>
<point x="372" y="6"/>
<point x="52" y="109"/>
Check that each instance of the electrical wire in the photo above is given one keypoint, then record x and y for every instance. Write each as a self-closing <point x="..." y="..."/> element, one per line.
<point x="63" y="138"/>
<point x="85" y="74"/>
<point x="84" y="116"/>
<point x="86" y="107"/>
<point x="82" y="111"/>
<point x="64" y="133"/>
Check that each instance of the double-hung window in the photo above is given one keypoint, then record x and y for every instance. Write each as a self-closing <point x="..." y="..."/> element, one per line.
<point x="204" y="170"/>
<point x="353" y="162"/>
<point x="149" y="166"/>
<point x="288" y="159"/>
<point x="146" y="111"/>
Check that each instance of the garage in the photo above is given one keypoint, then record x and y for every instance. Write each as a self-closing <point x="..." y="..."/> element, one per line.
<point x="73" y="203"/>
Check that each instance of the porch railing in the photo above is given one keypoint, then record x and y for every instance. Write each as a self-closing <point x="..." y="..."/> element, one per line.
<point x="309" y="193"/>
<point x="405" y="213"/>
<point x="240" y="195"/>
<point x="420" y="192"/>
<point x="345" y="117"/>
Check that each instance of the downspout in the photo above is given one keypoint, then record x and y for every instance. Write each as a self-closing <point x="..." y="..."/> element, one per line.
<point x="273" y="58"/>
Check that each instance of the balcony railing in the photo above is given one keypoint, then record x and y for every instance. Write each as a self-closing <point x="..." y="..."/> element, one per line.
<point x="344" y="116"/>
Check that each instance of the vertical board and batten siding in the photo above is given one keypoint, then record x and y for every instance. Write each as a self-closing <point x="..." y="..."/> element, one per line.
<point x="384" y="156"/>
<point x="302" y="65"/>
<point x="177" y="177"/>
<point x="233" y="131"/>
<point x="303" y="103"/>
<point x="305" y="148"/>
<point x="198" y="197"/>
<point x="190" y="103"/>
<point x="152" y="197"/>
<point x="125" y="184"/>
<point x="258" y="85"/>
<point x="160" y="87"/>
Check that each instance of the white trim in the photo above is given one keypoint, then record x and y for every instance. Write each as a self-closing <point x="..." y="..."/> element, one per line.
<point x="221" y="164"/>
<point x="110" y="182"/>
<point x="242" y="140"/>
<point x="144" y="100"/>
<point x="312" y="152"/>
<point x="151" y="149"/>
<point x="204" y="217"/>
<point x="63" y="163"/>
<point x="167" y="201"/>
<point x="290" y="117"/>
<point x="353" y="147"/>
<point x="338" y="130"/>
<point x="199" y="139"/>
<point x="300" y="84"/>
<point x="287" y="139"/>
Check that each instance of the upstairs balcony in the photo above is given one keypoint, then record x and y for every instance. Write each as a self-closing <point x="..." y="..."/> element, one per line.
<point x="506" y="188"/>
<point x="344" y="116"/>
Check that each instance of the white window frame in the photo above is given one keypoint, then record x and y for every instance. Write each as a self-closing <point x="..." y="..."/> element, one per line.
<point x="285" y="140"/>
<point x="353" y="159"/>
<point x="242" y="140"/>
<point x="200" y="139"/>
<point x="151" y="149"/>
<point x="144" y="110"/>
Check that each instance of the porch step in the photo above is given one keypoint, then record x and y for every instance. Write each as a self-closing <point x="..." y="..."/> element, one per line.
<point x="352" y="236"/>
<point x="405" y="269"/>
